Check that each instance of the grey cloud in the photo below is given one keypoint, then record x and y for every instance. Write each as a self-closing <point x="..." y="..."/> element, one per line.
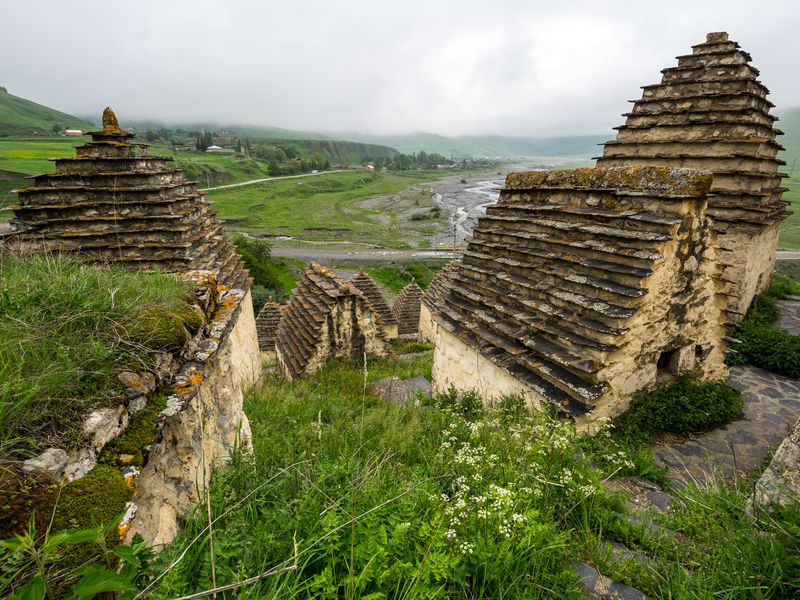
<point x="458" y="67"/>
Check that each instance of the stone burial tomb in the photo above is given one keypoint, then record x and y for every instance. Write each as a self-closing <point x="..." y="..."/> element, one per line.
<point x="370" y="289"/>
<point x="432" y="300"/>
<point x="326" y="317"/>
<point x="114" y="203"/>
<point x="406" y="309"/>
<point x="581" y="287"/>
<point x="710" y="112"/>
<point x="267" y="321"/>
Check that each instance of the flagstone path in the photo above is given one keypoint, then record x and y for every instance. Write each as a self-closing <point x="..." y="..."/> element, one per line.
<point x="771" y="408"/>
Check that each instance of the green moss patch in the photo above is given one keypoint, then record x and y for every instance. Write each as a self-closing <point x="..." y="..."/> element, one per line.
<point x="66" y="331"/>
<point x="140" y="434"/>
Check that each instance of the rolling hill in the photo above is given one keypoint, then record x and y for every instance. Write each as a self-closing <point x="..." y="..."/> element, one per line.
<point x="19" y="116"/>
<point x="488" y="146"/>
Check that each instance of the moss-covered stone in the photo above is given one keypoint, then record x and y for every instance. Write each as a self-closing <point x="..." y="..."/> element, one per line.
<point x="141" y="432"/>
<point x="662" y="180"/>
<point x="96" y="499"/>
<point x="164" y="330"/>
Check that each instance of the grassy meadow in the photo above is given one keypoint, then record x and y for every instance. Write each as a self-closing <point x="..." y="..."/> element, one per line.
<point x="352" y="206"/>
<point x="347" y="496"/>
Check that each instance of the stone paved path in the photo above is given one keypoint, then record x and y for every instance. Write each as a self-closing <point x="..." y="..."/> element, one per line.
<point x="771" y="408"/>
<point x="789" y="315"/>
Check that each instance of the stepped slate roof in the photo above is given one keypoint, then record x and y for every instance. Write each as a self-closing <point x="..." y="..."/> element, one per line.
<point x="267" y="325"/>
<point x="113" y="202"/>
<point x="326" y="317"/>
<point x="432" y="298"/>
<point x="711" y="112"/>
<point x="559" y="269"/>
<point x="406" y="309"/>
<point x="370" y="289"/>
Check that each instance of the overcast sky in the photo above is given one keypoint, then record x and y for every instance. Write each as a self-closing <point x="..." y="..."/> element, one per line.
<point x="511" y="67"/>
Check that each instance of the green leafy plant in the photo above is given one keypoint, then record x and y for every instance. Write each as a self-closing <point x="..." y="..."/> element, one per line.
<point x="684" y="406"/>
<point x="30" y="565"/>
<point x="763" y="343"/>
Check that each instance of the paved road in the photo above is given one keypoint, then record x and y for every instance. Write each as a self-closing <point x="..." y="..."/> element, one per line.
<point x="254" y="181"/>
<point x="329" y="256"/>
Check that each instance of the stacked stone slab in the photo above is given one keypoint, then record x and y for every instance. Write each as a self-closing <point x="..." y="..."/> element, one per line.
<point x="432" y="300"/>
<point x="370" y="289"/>
<point x="267" y="321"/>
<point x="326" y="317"/>
<point x="114" y="203"/>
<point x="406" y="309"/>
<point x="711" y="112"/>
<point x="580" y="287"/>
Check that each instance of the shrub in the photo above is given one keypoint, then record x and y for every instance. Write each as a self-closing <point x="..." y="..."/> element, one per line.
<point x="763" y="343"/>
<point x="783" y="286"/>
<point x="270" y="274"/>
<point x="684" y="406"/>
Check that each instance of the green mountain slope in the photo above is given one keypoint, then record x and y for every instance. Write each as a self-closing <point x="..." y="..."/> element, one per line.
<point x="242" y="131"/>
<point x="491" y="146"/>
<point x="23" y="117"/>
<point x="789" y="123"/>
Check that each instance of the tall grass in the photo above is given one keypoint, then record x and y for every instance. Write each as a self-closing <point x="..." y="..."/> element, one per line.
<point x="66" y="331"/>
<point x="346" y="496"/>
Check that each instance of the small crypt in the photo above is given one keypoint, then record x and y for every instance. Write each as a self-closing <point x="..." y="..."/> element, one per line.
<point x="406" y="309"/>
<point x="326" y="317"/>
<point x="267" y="321"/>
<point x="580" y="287"/>
<point x="370" y="289"/>
<point x="432" y="300"/>
<point x="711" y="113"/>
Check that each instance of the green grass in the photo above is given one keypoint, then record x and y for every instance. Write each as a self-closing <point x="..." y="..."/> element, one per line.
<point x="763" y="342"/>
<point x="21" y="116"/>
<point x="362" y="499"/>
<point x="397" y="275"/>
<point x="333" y="207"/>
<point x="66" y="331"/>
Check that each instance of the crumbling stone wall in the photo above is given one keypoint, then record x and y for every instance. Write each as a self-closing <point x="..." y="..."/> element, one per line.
<point x="582" y="287"/>
<point x="203" y="422"/>
<point x="326" y="317"/>
<point x="711" y="112"/>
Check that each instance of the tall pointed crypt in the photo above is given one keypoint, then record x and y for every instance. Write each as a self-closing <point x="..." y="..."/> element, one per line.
<point x="710" y="112"/>
<point x="115" y="203"/>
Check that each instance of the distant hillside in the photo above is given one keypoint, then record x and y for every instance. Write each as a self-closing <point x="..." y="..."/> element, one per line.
<point x="243" y="131"/>
<point x="23" y="117"/>
<point x="789" y="123"/>
<point x="343" y="152"/>
<point x="488" y="146"/>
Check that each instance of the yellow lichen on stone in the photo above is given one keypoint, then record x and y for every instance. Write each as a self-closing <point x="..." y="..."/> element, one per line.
<point x="663" y="180"/>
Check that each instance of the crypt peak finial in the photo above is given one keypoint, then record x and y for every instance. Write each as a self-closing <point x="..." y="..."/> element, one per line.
<point x="111" y="125"/>
<point x="110" y="119"/>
